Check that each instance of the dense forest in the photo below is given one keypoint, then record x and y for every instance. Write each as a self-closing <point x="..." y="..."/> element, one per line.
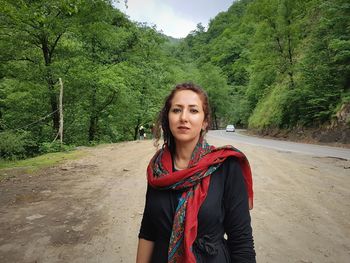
<point x="266" y="64"/>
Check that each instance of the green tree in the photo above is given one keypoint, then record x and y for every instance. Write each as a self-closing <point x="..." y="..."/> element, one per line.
<point x="212" y="79"/>
<point x="31" y="33"/>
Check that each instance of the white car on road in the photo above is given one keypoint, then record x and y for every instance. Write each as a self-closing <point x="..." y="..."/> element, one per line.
<point x="230" y="128"/>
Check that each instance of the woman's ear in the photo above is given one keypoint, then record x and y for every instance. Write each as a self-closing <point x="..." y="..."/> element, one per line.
<point x="204" y="125"/>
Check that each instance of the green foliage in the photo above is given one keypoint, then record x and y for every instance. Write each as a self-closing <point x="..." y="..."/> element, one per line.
<point x="286" y="62"/>
<point x="114" y="72"/>
<point x="15" y="145"/>
<point x="238" y="110"/>
<point x="215" y="84"/>
<point x="56" y="146"/>
<point x="269" y="112"/>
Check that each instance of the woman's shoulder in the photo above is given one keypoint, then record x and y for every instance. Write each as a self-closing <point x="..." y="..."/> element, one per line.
<point x="231" y="170"/>
<point x="231" y="162"/>
<point x="226" y="169"/>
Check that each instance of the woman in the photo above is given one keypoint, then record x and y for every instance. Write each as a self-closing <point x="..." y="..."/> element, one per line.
<point x="196" y="193"/>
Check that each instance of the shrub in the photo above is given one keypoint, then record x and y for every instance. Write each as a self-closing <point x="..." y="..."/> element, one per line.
<point x="16" y="145"/>
<point x="50" y="147"/>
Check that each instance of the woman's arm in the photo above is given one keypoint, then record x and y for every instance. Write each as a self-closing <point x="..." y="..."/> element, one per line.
<point x="237" y="217"/>
<point x="147" y="233"/>
<point x="144" y="251"/>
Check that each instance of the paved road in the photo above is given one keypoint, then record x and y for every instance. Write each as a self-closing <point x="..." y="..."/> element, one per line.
<point x="286" y="146"/>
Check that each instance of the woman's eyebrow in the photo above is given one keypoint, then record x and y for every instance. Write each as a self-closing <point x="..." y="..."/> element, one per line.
<point x="181" y="105"/>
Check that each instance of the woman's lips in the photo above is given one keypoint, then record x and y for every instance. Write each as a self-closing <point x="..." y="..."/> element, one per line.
<point x="183" y="128"/>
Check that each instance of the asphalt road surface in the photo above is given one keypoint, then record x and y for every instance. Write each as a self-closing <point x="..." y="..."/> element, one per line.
<point x="285" y="146"/>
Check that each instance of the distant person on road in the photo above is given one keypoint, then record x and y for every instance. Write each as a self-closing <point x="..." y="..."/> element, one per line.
<point x="196" y="192"/>
<point x="142" y="132"/>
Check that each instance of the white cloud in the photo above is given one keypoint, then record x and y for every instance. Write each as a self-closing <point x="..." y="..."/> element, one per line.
<point x="174" y="17"/>
<point x="157" y="12"/>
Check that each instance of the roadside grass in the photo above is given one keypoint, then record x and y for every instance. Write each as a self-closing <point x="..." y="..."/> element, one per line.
<point x="31" y="165"/>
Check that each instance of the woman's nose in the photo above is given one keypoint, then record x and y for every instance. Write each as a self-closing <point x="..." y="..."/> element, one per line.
<point x="183" y="116"/>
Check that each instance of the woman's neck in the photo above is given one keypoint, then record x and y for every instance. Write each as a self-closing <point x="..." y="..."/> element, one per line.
<point x="183" y="153"/>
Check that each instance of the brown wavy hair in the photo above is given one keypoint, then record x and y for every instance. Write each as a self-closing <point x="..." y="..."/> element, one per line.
<point x="162" y="123"/>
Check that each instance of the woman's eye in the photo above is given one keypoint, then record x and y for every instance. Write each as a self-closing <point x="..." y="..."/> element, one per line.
<point x="176" y="110"/>
<point x="194" y="111"/>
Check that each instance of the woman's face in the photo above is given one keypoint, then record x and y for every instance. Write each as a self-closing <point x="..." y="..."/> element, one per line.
<point x="186" y="116"/>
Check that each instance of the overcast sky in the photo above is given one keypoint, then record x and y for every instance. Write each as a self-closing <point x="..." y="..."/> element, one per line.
<point x="175" y="18"/>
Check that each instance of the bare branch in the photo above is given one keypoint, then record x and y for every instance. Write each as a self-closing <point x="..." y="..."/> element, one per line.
<point x="55" y="44"/>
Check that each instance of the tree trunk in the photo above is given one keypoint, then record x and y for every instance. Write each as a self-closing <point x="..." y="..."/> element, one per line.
<point x="290" y="57"/>
<point x="92" y="127"/>
<point x="51" y="84"/>
<point x="1" y="124"/>
<point x="136" y="129"/>
<point x="54" y="108"/>
<point x="215" y="123"/>
<point x="93" y="116"/>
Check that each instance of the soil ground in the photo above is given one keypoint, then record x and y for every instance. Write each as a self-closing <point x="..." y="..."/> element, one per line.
<point x="89" y="210"/>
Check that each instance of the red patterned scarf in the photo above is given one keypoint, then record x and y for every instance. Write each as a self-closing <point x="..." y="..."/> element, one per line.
<point x="194" y="181"/>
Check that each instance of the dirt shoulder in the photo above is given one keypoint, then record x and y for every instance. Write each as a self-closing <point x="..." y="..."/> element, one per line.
<point x="89" y="210"/>
<point x="86" y="210"/>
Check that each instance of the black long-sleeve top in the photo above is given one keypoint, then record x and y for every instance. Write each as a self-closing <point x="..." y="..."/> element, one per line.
<point x="224" y="211"/>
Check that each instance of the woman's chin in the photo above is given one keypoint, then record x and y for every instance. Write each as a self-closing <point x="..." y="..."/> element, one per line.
<point x="185" y="138"/>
